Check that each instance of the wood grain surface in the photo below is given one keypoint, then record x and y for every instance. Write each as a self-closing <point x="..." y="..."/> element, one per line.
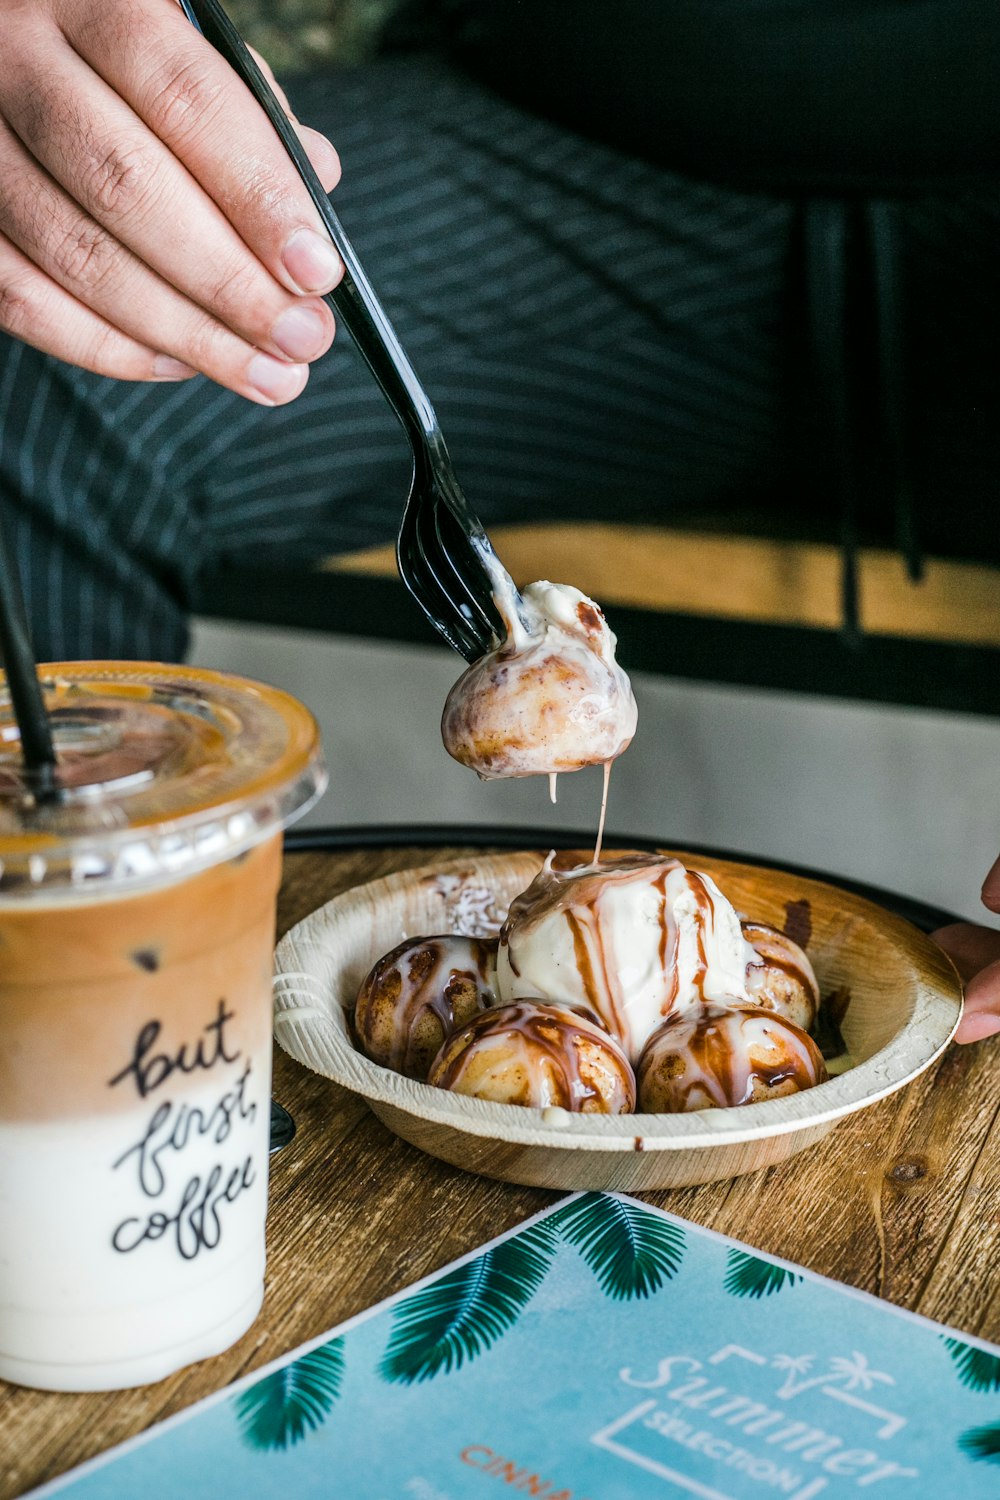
<point x="902" y="1200"/>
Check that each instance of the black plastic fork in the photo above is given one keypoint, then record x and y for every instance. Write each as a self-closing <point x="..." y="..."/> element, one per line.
<point x="444" y="556"/>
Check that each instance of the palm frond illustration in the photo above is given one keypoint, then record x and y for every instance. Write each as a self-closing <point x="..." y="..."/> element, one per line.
<point x="631" y="1252"/>
<point x="976" y="1369"/>
<point x="283" y="1407"/>
<point x="442" y="1326"/>
<point x="856" y="1373"/>
<point x="749" y="1276"/>
<point x="982" y="1443"/>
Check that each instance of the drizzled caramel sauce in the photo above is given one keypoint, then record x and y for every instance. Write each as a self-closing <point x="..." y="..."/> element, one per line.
<point x="440" y="979"/>
<point x="538" y="1056"/>
<point x="632" y="938"/>
<point x="782" y="978"/>
<point x="725" y="1056"/>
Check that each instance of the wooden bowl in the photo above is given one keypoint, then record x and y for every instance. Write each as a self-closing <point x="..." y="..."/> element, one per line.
<point x="905" y="1000"/>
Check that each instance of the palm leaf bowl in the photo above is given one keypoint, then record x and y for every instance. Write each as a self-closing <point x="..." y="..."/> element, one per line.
<point x="903" y="1007"/>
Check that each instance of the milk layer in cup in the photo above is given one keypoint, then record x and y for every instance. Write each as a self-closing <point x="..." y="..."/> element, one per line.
<point x="136" y="932"/>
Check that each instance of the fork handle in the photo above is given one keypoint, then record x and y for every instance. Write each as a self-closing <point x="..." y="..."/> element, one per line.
<point x="354" y="298"/>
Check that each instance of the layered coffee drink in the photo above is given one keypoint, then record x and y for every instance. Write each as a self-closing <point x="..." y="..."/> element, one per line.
<point x="136" y="932"/>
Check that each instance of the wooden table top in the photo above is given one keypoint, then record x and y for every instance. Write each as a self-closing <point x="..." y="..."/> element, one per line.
<point x="902" y="1200"/>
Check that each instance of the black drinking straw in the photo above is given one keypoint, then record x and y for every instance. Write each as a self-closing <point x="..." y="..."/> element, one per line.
<point x="26" y="698"/>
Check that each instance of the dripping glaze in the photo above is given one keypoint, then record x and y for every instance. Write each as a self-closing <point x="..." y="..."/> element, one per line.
<point x="725" y="1056"/>
<point x="633" y="939"/>
<point x="549" y="698"/>
<point x="421" y="977"/>
<point x="538" y="1056"/>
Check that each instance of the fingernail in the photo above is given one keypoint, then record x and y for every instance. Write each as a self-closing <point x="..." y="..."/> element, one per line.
<point x="312" y="262"/>
<point x="166" y="368"/>
<point x="301" y="333"/>
<point x="274" y="380"/>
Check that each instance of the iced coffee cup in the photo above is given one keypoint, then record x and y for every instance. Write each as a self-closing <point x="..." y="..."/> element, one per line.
<point x="136" y="931"/>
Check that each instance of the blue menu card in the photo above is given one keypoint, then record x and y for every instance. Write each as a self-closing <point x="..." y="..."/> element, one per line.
<point x="602" y="1351"/>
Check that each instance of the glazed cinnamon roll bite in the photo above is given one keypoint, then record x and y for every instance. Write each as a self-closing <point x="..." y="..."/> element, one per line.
<point x="783" y="979"/>
<point x="720" y="1056"/>
<point x="634" y="939"/>
<point x="537" y="1055"/>
<point x="550" y="698"/>
<point x="416" y="995"/>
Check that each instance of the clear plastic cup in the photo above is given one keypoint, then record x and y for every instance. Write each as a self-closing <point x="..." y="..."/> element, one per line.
<point x="136" y="932"/>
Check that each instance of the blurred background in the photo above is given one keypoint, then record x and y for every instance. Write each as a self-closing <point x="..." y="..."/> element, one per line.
<point x="297" y="35"/>
<point x="766" y="724"/>
<point x="899" y="797"/>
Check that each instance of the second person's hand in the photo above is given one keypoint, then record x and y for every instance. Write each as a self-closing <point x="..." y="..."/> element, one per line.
<point x="151" y="224"/>
<point x="975" y="952"/>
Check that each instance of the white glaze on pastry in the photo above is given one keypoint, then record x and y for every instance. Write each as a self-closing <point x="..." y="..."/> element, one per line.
<point x="720" y="1056"/>
<point x="634" y="940"/>
<point x="541" y="1056"/>
<point x="550" y="698"/>
<point x="782" y="979"/>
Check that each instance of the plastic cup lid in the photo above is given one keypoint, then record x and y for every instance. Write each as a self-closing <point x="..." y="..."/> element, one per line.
<point x="163" y="771"/>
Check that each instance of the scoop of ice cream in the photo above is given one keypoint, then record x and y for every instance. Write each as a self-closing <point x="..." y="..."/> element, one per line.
<point x="416" y="995"/>
<point x="633" y="939"/>
<point x="550" y="699"/>
<point x="537" y="1055"/>
<point x="721" y="1056"/>
<point x="783" y="979"/>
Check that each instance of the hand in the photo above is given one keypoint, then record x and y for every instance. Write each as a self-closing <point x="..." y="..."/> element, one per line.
<point x="975" y="952"/>
<point x="151" y="224"/>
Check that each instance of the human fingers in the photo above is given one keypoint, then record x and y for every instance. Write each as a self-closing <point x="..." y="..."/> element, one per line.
<point x="321" y="151"/>
<point x="192" y="101"/>
<point x="975" y="952"/>
<point x="969" y="946"/>
<point x="76" y="252"/>
<point x="38" y="312"/>
<point x="981" y="1016"/>
<point x="130" y="184"/>
<point x="322" y="154"/>
<point x="991" y="888"/>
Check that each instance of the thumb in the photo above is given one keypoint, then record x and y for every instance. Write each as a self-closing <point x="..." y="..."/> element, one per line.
<point x="991" y="888"/>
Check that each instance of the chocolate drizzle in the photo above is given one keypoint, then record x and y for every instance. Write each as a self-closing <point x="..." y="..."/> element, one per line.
<point x="725" y="1056"/>
<point x="669" y="940"/>
<point x="798" y="921"/>
<point x="634" y="938"/>
<point x="550" y="697"/>
<point x="783" y="979"/>
<point x="422" y="981"/>
<point x="537" y="1055"/>
<point x="634" y="960"/>
<point x="829" y="1019"/>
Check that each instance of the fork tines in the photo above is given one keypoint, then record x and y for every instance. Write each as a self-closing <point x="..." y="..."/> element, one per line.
<point x="441" y="561"/>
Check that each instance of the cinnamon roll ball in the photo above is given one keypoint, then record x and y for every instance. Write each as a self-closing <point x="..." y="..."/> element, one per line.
<point x="634" y="939"/>
<point x="416" y="995"/>
<point x="550" y="698"/>
<point x="784" y="979"/>
<point x="537" y="1055"/>
<point x="721" y="1056"/>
